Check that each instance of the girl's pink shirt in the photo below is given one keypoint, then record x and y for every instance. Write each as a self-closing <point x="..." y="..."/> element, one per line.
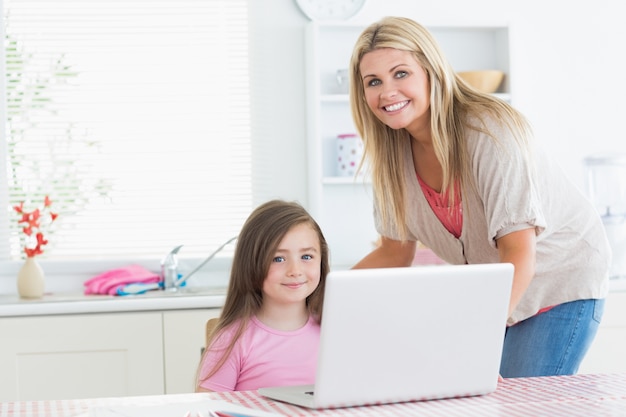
<point x="263" y="357"/>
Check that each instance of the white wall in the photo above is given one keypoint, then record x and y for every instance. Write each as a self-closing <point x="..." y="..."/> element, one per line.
<point x="566" y="75"/>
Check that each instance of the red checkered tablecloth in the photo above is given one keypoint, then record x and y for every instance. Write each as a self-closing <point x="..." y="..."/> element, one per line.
<point x="564" y="396"/>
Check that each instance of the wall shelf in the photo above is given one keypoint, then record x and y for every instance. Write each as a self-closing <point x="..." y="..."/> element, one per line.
<point x="344" y="181"/>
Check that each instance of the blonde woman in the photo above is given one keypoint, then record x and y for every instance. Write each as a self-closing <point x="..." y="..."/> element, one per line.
<point x="268" y="332"/>
<point x="458" y="170"/>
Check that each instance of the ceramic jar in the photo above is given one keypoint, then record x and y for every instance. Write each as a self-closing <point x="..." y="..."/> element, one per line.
<point x="349" y="154"/>
<point x="30" y="279"/>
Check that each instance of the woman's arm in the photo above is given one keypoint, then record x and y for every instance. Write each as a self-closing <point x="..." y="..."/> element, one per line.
<point x="518" y="248"/>
<point x="390" y="253"/>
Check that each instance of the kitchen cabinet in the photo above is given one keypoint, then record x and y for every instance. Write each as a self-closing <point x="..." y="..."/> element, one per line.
<point x="81" y="356"/>
<point x="608" y="351"/>
<point x="183" y="342"/>
<point x="342" y="205"/>
<point x="100" y="355"/>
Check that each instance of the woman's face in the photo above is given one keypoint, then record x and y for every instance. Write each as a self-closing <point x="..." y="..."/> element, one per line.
<point x="397" y="89"/>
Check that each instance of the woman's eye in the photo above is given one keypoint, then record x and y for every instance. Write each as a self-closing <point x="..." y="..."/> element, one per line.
<point x="374" y="82"/>
<point x="401" y="74"/>
<point x="278" y="259"/>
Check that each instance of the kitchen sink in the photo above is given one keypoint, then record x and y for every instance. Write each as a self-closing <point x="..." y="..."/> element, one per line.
<point x="182" y="292"/>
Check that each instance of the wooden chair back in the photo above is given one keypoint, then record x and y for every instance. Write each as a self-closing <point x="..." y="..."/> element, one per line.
<point x="210" y="326"/>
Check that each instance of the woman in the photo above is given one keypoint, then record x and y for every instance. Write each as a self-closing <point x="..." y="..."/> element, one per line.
<point x="458" y="170"/>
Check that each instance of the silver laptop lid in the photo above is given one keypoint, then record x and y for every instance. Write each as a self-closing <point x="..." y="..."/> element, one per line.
<point x="403" y="334"/>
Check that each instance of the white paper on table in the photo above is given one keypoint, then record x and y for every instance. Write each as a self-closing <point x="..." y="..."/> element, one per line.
<point x="176" y="409"/>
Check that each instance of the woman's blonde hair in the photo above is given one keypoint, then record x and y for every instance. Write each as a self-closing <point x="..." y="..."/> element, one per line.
<point x="452" y="104"/>
<point x="256" y="247"/>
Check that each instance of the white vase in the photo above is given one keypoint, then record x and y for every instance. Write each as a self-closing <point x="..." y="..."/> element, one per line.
<point x="30" y="279"/>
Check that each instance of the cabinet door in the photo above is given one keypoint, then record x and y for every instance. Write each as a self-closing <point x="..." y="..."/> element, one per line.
<point x="184" y="337"/>
<point x="81" y="356"/>
<point x="608" y="351"/>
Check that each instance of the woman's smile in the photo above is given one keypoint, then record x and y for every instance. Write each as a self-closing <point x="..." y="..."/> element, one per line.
<point x="396" y="106"/>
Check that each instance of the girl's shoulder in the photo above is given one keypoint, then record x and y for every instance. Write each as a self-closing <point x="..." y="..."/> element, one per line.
<point x="224" y="336"/>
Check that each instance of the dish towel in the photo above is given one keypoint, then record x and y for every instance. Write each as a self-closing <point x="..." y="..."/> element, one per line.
<point x="111" y="281"/>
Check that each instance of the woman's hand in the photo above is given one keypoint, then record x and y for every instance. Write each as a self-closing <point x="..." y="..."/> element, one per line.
<point x="390" y="253"/>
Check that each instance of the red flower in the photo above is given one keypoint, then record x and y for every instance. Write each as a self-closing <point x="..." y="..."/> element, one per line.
<point x="32" y="252"/>
<point x="32" y="225"/>
<point x="41" y="240"/>
<point x="19" y="208"/>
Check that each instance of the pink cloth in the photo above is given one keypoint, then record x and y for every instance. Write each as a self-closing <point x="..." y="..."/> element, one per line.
<point x="108" y="282"/>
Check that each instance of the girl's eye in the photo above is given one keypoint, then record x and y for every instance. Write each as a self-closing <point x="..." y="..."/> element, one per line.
<point x="373" y="82"/>
<point x="401" y="74"/>
<point x="307" y="257"/>
<point x="278" y="259"/>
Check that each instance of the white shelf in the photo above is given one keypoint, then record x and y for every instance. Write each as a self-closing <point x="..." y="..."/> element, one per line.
<point x="344" y="181"/>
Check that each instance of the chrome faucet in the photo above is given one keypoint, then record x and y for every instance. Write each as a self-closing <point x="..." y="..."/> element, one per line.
<point x="169" y="267"/>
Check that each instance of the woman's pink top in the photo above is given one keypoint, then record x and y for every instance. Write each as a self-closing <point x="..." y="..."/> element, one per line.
<point x="450" y="217"/>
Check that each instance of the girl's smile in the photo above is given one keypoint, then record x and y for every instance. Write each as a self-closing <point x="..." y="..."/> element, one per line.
<point x="294" y="285"/>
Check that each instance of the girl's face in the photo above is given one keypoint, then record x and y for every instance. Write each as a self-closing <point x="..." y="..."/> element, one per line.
<point x="397" y="89"/>
<point x="295" y="269"/>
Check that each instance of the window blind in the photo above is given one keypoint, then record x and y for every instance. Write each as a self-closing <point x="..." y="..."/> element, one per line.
<point x="134" y="117"/>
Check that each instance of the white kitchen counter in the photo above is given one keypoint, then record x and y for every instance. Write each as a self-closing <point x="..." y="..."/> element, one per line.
<point x="75" y="303"/>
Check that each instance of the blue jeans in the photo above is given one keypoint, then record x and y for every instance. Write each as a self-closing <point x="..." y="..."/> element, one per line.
<point x="551" y="343"/>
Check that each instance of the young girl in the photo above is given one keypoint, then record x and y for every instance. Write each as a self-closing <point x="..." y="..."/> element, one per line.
<point x="268" y="332"/>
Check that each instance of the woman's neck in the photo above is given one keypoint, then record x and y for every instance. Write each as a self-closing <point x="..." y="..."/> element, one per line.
<point x="426" y="164"/>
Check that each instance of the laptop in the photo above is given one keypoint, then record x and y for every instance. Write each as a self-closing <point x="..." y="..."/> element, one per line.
<point x="407" y="334"/>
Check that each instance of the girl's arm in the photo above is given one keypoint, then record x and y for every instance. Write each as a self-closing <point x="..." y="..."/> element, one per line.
<point x="390" y="253"/>
<point x="518" y="248"/>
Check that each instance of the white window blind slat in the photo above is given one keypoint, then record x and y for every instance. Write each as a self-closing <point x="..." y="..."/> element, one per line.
<point x="134" y="116"/>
